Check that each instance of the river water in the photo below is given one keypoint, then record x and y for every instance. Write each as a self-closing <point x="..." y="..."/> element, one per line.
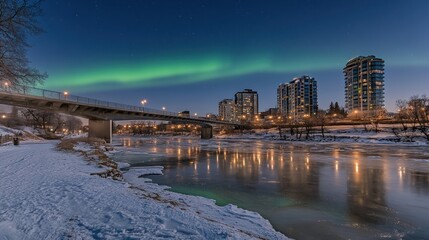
<point x="306" y="190"/>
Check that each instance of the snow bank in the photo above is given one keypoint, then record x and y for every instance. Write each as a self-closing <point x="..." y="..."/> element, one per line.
<point x="137" y="172"/>
<point x="230" y="221"/>
<point x="76" y="135"/>
<point x="8" y="131"/>
<point x="47" y="194"/>
<point x="122" y="165"/>
<point x="340" y="134"/>
<point x="84" y="147"/>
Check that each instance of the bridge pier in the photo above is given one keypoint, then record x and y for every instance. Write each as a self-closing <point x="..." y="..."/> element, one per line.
<point x="206" y="132"/>
<point x="101" y="129"/>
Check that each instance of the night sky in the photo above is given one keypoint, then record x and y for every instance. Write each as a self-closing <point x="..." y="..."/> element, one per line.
<point x="189" y="55"/>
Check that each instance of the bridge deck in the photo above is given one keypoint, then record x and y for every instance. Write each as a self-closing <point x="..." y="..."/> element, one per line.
<point x="90" y="108"/>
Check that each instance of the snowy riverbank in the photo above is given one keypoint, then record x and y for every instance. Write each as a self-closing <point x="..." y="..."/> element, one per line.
<point x="333" y="134"/>
<point x="48" y="194"/>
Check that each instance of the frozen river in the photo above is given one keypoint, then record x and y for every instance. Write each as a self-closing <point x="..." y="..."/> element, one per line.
<point x="306" y="191"/>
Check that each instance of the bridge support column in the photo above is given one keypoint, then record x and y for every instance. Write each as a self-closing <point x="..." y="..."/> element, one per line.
<point x="101" y="129"/>
<point x="206" y="132"/>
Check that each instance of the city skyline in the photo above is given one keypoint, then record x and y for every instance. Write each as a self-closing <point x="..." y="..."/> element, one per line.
<point x="174" y="53"/>
<point x="203" y="119"/>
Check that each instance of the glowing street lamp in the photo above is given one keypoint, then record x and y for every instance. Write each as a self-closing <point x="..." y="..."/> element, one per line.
<point x="163" y="108"/>
<point x="143" y="102"/>
<point x="6" y="85"/>
<point x="195" y="114"/>
<point x="356" y="114"/>
<point x="65" y="94"/>
<point x="3" y="116"/>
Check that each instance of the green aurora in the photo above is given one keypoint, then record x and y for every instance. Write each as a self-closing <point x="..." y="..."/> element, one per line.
<point x="175" y="71"/>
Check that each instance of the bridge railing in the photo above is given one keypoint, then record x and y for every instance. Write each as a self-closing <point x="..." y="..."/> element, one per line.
<point x="63" y="96"/>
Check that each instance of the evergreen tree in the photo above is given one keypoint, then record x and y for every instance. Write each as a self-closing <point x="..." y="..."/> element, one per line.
<point x="331" y="108"/>
<point x="337" y="108"/>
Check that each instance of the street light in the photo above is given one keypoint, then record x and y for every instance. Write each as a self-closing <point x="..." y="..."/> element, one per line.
<point x="143" y="102"/>
<point x="3" y="116"/>
<point x="163" y="108"/>
<point x="6" y="86"/>
<point x="65" y="94"/>
<point x="356" y="114"/>
<point x="195" y="114"/>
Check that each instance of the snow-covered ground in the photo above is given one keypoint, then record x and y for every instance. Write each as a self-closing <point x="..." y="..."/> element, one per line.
<point x="7" y="131"/>
<point x="345" y="134"/>
<point x="48" y="194"/>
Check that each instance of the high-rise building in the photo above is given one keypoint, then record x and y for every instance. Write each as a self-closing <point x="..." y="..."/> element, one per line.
<point x="282" y="99"/>
<point x="298" y="98"/>
<point x="227" y="110"/>
<point x="364" y="84"/>
<point x="246" y="104"/>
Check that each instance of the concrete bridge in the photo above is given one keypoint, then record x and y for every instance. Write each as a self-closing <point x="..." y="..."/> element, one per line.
<point x="99" y="113"/>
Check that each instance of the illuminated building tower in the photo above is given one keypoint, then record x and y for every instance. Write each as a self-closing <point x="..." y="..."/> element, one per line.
<point x="298" y="98"/>
<point x="246" y="104"/>
<point x="227" y="110"/>
<point x="364" y="85"/>
<point x="282" y="99"/>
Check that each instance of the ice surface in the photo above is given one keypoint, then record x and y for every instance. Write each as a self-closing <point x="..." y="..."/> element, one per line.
<point x="122" y="165"/>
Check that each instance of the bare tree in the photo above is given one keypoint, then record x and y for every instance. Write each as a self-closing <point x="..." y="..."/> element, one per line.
<point x="308" y="126"/>
<point x="419" y="113"/>
<point x="408" y="129"/>
<point x="73" y="124"/>
<point x="403" y="113"/>
<point x="43" y="119"/>
<point x="376" y="116"/>
<point x="413" y="116"/>
<point x="322" y="120"/>
<point x="18" y="19"/>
